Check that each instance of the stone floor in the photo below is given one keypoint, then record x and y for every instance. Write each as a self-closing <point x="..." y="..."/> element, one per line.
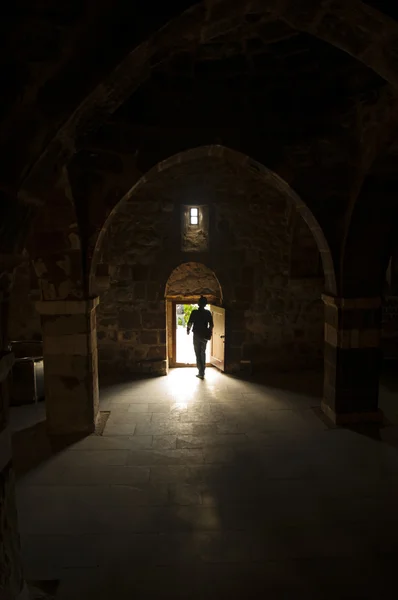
<point x="213" y="490"/>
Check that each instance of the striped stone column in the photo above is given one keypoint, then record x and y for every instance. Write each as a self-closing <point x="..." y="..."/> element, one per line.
<point x="12" y="585"/>
<point x="352" y="359"/>
<point x="70" y="365"/>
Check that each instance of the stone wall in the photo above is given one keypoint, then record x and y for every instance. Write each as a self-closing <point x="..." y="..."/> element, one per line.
<point x="273" y="319"/>
<point x="389" y="338"/>
<point x="24" y="320"/>
<point x="11" y="568"/>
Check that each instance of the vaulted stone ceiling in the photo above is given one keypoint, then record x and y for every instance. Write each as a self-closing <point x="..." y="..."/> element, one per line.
<point x="308" y="87"/>
<point x="387" y="7"/>
<point x="57" y="52"/>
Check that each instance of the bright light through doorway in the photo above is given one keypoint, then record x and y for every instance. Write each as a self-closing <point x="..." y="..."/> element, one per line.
<point x="185" y="354"/>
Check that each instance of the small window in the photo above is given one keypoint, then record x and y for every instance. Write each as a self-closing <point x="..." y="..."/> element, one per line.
<point x="194" y="216"/>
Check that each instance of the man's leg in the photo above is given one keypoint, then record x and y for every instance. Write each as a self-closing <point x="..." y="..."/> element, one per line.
<point x="203" y="353"/>
<point x="196" y="347"/>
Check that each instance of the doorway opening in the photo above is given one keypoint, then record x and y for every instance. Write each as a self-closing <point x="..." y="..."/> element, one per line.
<point x="184" y="287"/>
<point x="185" y="355"/>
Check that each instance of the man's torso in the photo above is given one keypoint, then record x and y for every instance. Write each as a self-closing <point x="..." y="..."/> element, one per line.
<point x="201" y="320"/>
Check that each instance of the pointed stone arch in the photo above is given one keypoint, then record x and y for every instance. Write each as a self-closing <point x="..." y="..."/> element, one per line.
<point x="193" y="279"/>
<point x="237" y="158"/>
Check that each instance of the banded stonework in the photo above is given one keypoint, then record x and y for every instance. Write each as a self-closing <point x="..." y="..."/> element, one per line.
<point x="70" y="365"/>
<point x="352" y="322"/>
<point x="11" y="576"/>
<point x="352" y="359"/>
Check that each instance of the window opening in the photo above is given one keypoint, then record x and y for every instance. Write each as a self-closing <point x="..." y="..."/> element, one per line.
<point x="194" y="216"/>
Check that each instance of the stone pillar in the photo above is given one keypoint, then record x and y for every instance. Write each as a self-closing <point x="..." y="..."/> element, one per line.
<point x="70" y="365"/>
<point x="352" y="359"/>
<point x="12" y="585"/>
<point x="394" y="274"/>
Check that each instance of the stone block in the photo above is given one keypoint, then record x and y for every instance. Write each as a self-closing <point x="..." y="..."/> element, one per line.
<point x="76" y="343"/>
<point x="66" y="307"/>
<point x="139" y="273"/>
<point x="156" y="307"/>
<point x="154" y="320"/>
<point x="127" y="336"/>
<point x="102" y="270"/>
<point x="153" y="292"/>
<point x="237" y="338"/>
<point x="149" y="337"/>
<point x="64" y="324"/>
<point x="248" y="276"/>
<point x="129" y="319"/>
<point x="11" y="576"/>
<point x="107" y="322"/>
<point x="157" y="352"/>
<point x="140" y="352"/>
<point x="140" y="289"/>
<point x="123" y="273"/>
<point x="70" y="405"/>
<point x="68" y="366"/>
<point x="352" y="303"/>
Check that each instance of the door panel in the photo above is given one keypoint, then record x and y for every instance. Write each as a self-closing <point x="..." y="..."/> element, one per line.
<point x="217" y="354"/>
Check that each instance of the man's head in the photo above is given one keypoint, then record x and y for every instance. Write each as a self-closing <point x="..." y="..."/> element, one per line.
<point x="202" y="302"/>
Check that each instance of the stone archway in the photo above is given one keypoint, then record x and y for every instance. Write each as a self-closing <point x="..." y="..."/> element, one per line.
<point x="140" y="245"/>
<point x="186" y="284"/>
<point x="238" y="160"/>
<point x="192" y="279"/>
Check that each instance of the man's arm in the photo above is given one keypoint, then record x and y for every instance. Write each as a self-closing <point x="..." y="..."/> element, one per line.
<point x="211" y="323"/>
<point x="190" y="322"/>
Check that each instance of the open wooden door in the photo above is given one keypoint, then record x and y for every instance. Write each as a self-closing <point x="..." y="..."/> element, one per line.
<point x="217" y="353"/>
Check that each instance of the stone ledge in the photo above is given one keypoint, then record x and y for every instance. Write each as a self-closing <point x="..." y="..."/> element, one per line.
<point x="7" y="360"/>
<point x="352" y="418"/>
<point x="351" y="303"/>
<point x="75" y="344"/>
<point x="66" y="307"/>
<point x="352" y="338"/>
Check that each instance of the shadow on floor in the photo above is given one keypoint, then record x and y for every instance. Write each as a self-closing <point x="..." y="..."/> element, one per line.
<point x="43" y="590"/>
<point x="33" y="446"/>
<point x="304" y="382"/>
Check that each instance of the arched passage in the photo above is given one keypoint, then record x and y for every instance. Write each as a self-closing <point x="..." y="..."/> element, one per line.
<point x="186" y="284"/>
<point x="273" y="320"/>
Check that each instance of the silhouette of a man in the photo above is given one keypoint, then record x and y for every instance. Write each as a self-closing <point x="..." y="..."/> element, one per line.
<point x="202" y="323"/>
